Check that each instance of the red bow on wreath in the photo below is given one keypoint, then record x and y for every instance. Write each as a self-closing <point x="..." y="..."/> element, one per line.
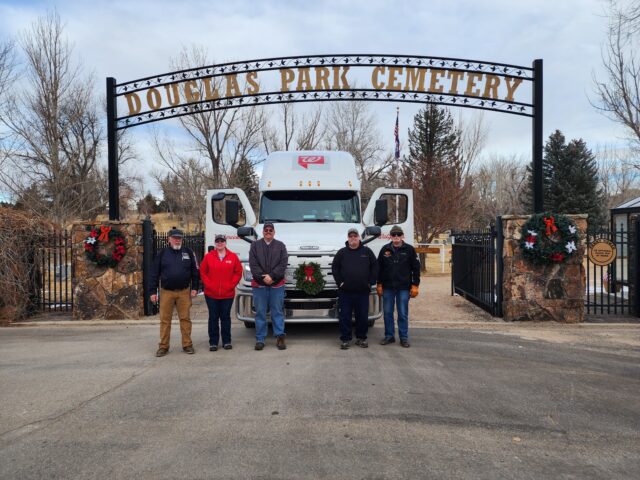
<point x="104" y="234"/>
<point x="309" y="271"/>
<point x="550" y="224"/>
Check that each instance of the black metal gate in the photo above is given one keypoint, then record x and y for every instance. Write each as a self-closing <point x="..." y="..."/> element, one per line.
<point x="153" y="243"/>
<point x="609" y="288"/>
<point x="476" y="271"/>
<point x="54" y="288"/>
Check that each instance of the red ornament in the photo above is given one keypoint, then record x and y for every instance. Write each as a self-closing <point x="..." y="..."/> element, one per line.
<point x="557" y="257"/>
<point x="531" y="239"/>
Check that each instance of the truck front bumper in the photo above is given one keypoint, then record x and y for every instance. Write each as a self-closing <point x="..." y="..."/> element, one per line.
<point x="303" y="310"/>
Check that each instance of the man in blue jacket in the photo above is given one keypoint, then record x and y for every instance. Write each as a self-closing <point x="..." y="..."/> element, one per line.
<point x="355" y="270"/>
<point x="398" y="280"/>
<point x="175" y="270"/>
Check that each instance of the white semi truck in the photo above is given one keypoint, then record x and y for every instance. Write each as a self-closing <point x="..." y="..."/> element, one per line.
<point x="313" y="199"/>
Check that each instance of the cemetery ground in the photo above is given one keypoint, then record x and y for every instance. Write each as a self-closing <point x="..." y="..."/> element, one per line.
<point x="472" y="398"/>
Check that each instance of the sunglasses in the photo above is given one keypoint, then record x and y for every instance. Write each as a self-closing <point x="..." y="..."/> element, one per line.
<point x="268" y="230"/>
<point x="353" y="235"/>
<point x="396" y="234"/>
<point x="220" y="240"/>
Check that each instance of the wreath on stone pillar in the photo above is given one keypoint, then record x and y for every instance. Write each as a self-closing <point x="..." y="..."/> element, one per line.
<point x="548" y="238"/>
<point x="105" y="246"/>
<point x="309" y="278"/>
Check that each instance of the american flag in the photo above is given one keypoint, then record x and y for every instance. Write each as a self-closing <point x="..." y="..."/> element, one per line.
<point x="396" y="133"/>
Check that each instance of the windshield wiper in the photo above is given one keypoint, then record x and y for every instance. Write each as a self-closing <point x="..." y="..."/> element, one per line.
<point x="318" y="220"/>
<point x="277" y="220"/>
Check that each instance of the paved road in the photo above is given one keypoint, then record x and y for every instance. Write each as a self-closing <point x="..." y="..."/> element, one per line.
<point x="93" y="402"/>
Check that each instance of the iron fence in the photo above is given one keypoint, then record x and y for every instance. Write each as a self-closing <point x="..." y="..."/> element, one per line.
<point x="476" y="272"/>
<point x="54" y="285"/>
<point x="608" y="287"/>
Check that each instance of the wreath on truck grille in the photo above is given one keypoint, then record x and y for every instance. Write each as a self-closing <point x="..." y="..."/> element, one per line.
<point x="97" y="244"/>
<point x="549" y="238"/>
<point x="309" y="278"/>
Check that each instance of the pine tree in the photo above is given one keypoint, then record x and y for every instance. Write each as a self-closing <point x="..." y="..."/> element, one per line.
<point x="570" y="180"/>
<point x="435" y="170"/>
<point x="245" y="177"/>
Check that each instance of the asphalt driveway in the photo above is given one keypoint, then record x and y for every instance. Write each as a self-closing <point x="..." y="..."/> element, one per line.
<point x="93" y="402"/>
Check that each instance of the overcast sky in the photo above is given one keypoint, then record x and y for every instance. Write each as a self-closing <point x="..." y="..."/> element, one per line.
<point x="132" y="39"/>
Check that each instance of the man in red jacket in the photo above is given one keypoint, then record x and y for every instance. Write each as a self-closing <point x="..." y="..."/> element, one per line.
<point x="220" y="272"/>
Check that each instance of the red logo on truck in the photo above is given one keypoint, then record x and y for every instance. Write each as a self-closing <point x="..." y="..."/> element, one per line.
<point x="306" y="160"/>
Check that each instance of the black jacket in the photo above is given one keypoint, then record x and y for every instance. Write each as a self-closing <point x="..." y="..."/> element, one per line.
<point x="355" y="270"/>
<point x="268" y="259"/>
<point x="175" y="270"/>
<point x="399" y="268"/>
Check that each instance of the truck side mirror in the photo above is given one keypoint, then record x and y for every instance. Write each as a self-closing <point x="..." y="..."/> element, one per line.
<point x="380" y="215"/>
<point x="372" y="233"/>
<point x="231" y="212"/>
<point x="244" y="232"/>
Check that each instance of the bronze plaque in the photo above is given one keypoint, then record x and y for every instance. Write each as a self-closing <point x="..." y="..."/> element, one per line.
<point x="602" y="252"/>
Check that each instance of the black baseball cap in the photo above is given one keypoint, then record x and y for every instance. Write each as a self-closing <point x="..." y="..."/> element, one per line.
<point x="176" y="232"/>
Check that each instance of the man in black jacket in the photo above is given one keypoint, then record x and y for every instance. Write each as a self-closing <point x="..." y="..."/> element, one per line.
<point x="175" y="270"/>
<point x="398" y="280"/>
<point x="355" y="271"/>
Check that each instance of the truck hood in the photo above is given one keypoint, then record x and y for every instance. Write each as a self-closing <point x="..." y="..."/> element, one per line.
<point x="311" y="237"/>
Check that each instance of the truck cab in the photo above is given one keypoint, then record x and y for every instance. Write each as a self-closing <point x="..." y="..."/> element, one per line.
<point x="313" y="199"/>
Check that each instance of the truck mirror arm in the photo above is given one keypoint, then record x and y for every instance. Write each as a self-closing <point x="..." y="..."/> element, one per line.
<point x="374" y="233"/>
<point x="244" y="232"/>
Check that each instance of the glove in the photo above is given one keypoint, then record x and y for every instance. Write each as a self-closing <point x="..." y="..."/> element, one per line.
<point x="379" y="289"/>
<point x="413" y="292"/>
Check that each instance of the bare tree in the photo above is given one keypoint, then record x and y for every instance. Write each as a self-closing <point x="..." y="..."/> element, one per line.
<point x="54" y="130"/>
<point x="220" y="138"/>
<point x="619" y="176"/>
<point x="293" y="131"/>
<point x="618" y="95"/>
<point x="498" y="185"/>
<point x="351" y="127"/>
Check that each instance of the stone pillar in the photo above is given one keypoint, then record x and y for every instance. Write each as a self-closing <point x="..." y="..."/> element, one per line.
<point x="105" y="293"/>
<point x="542" y="292"/>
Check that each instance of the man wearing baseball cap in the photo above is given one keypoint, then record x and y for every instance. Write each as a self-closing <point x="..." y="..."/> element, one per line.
<point x="175" y="271"/>
<point x="355" y="270"/>
<point x="268" y="260"/>
<point x="398" y="280"/>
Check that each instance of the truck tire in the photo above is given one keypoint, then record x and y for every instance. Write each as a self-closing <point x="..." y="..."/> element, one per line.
<point x="249" y="325"/>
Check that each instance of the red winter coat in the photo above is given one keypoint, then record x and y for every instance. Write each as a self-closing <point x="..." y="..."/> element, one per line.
<point x="220" y="277"/>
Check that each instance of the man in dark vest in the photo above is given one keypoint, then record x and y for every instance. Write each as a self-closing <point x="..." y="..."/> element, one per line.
<point x="175" y="270"/>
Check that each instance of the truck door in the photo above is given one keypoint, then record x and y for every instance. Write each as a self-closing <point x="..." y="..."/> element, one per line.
<point x="399" y="212"/>
<point x="216" y="222"/>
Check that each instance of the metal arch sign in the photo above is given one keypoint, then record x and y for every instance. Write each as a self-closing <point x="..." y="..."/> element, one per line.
<point x="347" y="77"/>
<point x="397" y="78"/>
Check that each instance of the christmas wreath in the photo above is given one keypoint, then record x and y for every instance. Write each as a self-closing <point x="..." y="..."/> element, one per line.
<point x="95" y="246"/>
<point x="309" y="278"/>
<point x="549" y="238"/>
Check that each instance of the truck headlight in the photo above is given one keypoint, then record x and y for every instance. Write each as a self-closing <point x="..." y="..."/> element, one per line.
<point x="247" y="273"/>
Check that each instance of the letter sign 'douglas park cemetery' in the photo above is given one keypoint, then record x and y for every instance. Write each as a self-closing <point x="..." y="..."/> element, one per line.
<point x="450" y="82"/>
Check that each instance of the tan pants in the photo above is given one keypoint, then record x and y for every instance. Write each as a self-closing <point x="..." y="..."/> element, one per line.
<point x="182" y="300"/>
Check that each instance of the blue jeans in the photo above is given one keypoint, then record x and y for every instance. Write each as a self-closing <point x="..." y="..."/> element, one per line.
<point x="401" y="300"/>
<point x="274" y="299"/>
<point x="219" y="310"/>
<point x="349" y="304"/>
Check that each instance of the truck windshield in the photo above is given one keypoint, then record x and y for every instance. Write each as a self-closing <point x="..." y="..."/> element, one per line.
<point x="318" y="206"/>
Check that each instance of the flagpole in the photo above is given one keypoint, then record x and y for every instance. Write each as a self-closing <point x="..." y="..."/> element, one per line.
<point x="397" y="154"/>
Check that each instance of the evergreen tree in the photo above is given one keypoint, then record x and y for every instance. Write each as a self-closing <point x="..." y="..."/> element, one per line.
<point x="436" y="171"/>
<point x="570" y="180"/>
<point x="244" y="176"/>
